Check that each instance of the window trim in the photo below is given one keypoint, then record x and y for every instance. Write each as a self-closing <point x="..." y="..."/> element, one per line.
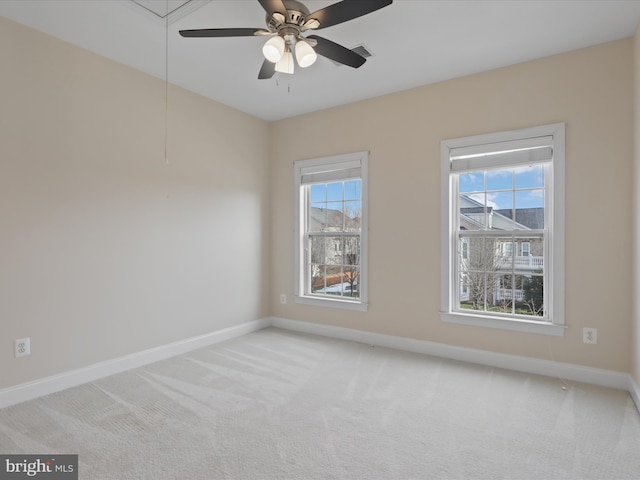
<point x="300" y="295"/>
<point x="554" y="237"/>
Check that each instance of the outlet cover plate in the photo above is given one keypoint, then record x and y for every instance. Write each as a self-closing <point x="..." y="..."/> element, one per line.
<point x="22" y="347"/>
<point x="590" y="335"/>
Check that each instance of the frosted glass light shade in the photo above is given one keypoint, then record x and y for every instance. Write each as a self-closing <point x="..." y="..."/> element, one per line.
<point x="285" y="64"/>
<point x="305" y="55"/>
<point x="273" y="49"/>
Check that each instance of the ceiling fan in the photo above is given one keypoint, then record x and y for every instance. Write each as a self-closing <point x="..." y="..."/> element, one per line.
<point x="286" y="21"/>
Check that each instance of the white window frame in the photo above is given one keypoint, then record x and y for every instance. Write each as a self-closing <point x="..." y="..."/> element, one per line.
<point x="328" y="169"/>
<point x="475" y="146"/>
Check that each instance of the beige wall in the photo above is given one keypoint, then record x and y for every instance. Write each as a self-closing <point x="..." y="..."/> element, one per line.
<point x="636" y="212"/>
<point x="589" y="89"/>
<point x="105" y="249"/>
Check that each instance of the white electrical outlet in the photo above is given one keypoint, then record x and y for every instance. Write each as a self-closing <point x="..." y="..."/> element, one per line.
<point x="283" y="298"/>
<point x="590" y="335"/>
<point x="22" y="347"/>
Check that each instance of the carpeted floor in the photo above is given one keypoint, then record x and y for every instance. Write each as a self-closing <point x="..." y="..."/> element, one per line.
<point x="282" y="405"/>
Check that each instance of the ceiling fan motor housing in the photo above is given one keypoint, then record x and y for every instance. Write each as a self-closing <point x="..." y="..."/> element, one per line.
<point x="296" y="11"/>
<point x="294" y="19"/>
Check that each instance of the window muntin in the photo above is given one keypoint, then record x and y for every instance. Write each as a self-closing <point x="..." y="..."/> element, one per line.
<point x="331" y="239"/>
<point x="503" y="230"/>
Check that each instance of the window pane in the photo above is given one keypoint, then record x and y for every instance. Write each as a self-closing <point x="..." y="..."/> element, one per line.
<point x="530" y="209"/>
<point x="335" y="217"/>
<point x="463" y="254"/>
<point x="463" y="294"/>
<point x="317" y="277"/>
<point x="353" y="215"/>
<point x="334" y="250"/>
<point x="530" y="177"/>
<point x="500" y="179"/>
<point x="494" y="257"/>
<point x="500" y="200"/>
<point x="351" y="254"/>
<point x="353" y="190"/>
<point x="533" y="295"/>
<point x="330" y="282"/>
<point x="530" y="198"/>
<point x="477" y="254"/>
<point x="317" y="217"/>
<point x="318" y="193"/>
<point x="472" y="182"/>
<point x="318" y="250"/>
<point x="334" y="191"/>
<point x="502" y="213"/>
<point x="503" y="258"/>
<point x="350" y="281"/>
<point x="531" y="258"/>
<point x="473" y="284"/>
<point x="503" y="294"/>
<point x="472" y="213"/>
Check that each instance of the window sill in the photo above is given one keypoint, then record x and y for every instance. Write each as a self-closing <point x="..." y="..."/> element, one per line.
<point x="331" y="303"/>
<point x="517" y="325"/>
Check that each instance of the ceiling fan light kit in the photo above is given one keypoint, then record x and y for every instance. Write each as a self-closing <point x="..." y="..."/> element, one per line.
<point x="286" y="21"/>
<point x="285" y="64"/>
<point x="273" y="49"/>
<point x="305" y="54"/>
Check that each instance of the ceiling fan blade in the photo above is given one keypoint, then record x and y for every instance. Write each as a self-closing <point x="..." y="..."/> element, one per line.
<point x="272" y="6"/>
<point x="346" y="10"/>
<point x="267" y="70"/>
<point x="337" y="52"/>
<point x="224" y="32"/>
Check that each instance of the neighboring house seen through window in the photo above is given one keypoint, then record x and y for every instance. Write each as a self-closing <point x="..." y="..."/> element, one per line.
<point x="503" y="230"/>
<point x="331" y="231"/>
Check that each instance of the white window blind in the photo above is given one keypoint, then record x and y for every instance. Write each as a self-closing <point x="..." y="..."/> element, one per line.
<point x="331" y="172"/>
<point x="501" y="154"/>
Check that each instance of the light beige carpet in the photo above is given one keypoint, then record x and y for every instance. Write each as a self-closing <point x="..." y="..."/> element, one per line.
<point x="283" y="405"/>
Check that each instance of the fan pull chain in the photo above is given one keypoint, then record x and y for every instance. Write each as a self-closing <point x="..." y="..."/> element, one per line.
<point x="288" y="85"/>
<point x="166" y="84"/>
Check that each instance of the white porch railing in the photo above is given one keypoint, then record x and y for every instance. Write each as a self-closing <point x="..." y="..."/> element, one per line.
<point x="524" y="263"/>
<point x="508" y="294"/>
<point x="529" y="262"/>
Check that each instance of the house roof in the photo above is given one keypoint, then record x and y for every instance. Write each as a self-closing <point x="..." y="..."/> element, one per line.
<point x="326" y="219"/>
<point x="532" y="218"/>
<point x="471" y="210"/>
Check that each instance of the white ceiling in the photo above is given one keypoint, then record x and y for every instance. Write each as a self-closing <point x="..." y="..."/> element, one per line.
<point x="414" y="43"/>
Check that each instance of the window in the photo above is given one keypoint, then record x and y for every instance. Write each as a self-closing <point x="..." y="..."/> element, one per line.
<point x="331" y="226"/>
<point x="503" y="230"/>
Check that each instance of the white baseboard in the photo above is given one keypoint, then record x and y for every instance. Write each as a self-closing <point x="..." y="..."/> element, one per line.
<point x="55" y="383"/>
<point x="566" y="371"/>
